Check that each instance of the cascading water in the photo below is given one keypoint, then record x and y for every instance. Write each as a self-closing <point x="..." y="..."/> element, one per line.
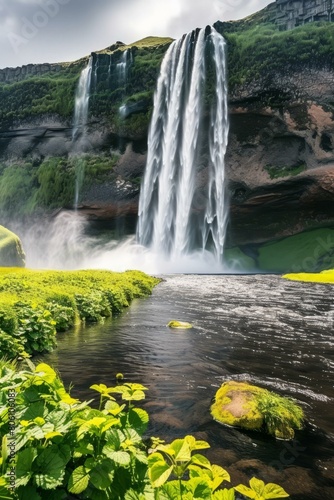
<point x="182" y="209"/>
<point x="123" y="66"/>
<point x="82" y="101"/>
<point x="182" y="215"/>
<point x="80" y="126"/>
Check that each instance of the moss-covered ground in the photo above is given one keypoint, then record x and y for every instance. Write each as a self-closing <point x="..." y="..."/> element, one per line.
<point x="310" y="251"/>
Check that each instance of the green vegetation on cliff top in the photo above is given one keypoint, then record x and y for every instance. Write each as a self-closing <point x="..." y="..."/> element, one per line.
<point x="256" y="49"/>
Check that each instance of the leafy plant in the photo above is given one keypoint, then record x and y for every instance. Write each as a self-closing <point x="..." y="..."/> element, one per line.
<point x="260" y="491"/>
<point x="65" y="447"/>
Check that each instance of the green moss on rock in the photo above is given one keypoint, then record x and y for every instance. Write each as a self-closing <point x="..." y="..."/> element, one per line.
<point x="11" y="250"/>
<point x="243" y="405"/>
<point x="181" y="325"/>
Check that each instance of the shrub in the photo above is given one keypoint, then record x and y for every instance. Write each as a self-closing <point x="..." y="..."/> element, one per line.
<point x="10" y="347"/>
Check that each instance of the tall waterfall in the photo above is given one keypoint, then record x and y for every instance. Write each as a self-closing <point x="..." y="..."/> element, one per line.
<point x="182" y="207"/>
<point x="82" y="101"/>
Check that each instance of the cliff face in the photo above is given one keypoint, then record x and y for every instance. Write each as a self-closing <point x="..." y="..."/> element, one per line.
<point x="280" y="158"/>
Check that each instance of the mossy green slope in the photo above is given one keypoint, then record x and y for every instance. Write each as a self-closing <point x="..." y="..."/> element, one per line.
<point x="34" y="305"/>
<point x="310" y="251"/>
<point x="11" y="250"/>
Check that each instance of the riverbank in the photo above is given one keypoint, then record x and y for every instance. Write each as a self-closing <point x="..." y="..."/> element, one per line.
<point x="36" y="305"/>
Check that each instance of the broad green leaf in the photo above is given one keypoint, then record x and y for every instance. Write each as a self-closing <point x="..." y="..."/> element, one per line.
<point x="159" y="473"/>
<point x="28" y="493"/>
<point x="272" y="490"/>
<point x="34" y="410"/>
<point x="101" y="388"/>
<point x="257" y="485"/>
<point x="201" y="460"/>
<point x="169" y="491"/>
<point x="24" y="462"/>
<point x="78" y="481"/>
<point x="51" y="435"/>
<point x="181" y="448"/>
<point x="120" y="457"/>
<point x="138" y="419"/>
<point x="154" y="458"/>
<point x="224" y="494"/>
<point x="110" y="423"/>
<point x="101" y="476"/>
<point x="199" y="488"/>
<point x="50" y="468"/>
<point x="247" y="492"/>
<point x="219" y="475"/>
<point x="46" y="373"/>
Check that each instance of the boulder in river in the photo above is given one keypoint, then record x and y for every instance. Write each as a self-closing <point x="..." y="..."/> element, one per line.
<point x="240" y="404"/>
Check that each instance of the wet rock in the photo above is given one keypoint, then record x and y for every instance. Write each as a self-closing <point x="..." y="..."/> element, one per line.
<point x="240" y="404"/>
<point x="11" y="250"/>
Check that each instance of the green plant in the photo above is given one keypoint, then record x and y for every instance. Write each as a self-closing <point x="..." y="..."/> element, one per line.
<point x="204" y="479"/>
<point x="10" y="346"/>
<point x="36" y="304"/>
<point x="36" y="328"/>
<point x="260" y="491"/>
<point x="65" y="447"/>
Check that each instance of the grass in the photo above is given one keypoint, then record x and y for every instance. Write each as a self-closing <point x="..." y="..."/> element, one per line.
<point x="323" y="277"/>
<point x="308" y="251"/>
<point x="35" y="305"/>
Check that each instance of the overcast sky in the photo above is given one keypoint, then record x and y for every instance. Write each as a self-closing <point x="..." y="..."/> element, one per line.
<point x="36" y="31"/>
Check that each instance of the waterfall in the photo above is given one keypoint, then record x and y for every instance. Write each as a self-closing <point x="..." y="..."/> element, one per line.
<point x="80" y="126"/>
<point x="82" y="101"/>
<point x="123" y="66"/>
<point x="182" y="208"/>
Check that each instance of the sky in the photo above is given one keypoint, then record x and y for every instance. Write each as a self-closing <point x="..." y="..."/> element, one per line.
<point x="37" y="31"/>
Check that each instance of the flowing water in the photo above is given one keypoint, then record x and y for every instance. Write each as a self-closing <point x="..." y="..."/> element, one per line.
<point x="82" y="101"/>
<point x="263" y="329"/>
<point x="176" y="218"/>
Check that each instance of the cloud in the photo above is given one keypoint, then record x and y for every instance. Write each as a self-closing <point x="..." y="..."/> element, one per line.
<point x="64" y="30"/>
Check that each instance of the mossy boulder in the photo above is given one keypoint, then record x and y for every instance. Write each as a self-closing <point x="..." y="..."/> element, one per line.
<point x="11" y="250"/>
<point x="240" y="404"/>
<point x="181" y="325"/>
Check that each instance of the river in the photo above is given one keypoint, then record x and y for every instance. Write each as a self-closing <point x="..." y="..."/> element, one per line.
<point x="260" y="328"/>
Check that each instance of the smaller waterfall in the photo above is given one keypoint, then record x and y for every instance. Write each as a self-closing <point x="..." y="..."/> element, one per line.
<point x="123" y="66"/>
<point x="82" y="101"/>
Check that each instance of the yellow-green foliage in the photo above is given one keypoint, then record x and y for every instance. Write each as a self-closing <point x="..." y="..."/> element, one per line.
<point x="11" y="251"/>
<point x="182" y="325"/>
<point x="240" y="404"/>
<point x="37" y="304"/>
<point x="323" y="277"/>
